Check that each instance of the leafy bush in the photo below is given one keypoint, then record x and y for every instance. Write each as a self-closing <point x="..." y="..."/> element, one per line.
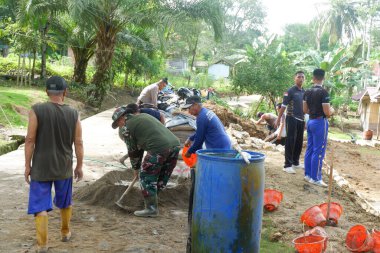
<point x="266" y="70"/>
<point x="263" y="107"/>
<point x="202" y="81"/>
<point x="7" y="66"/>
<point x="353" y="106"/>
<point x="60" y="70"/>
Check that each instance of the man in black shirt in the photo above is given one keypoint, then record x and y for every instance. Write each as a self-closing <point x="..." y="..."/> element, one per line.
<point x="317" y="104"/>
<point x="295" y="124"/>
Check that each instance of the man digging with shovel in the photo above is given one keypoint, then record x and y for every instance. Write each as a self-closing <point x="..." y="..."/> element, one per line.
<point x="142" y="132"/>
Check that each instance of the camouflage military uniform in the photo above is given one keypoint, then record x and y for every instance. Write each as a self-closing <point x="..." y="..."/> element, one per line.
<point x="156" y="167"/>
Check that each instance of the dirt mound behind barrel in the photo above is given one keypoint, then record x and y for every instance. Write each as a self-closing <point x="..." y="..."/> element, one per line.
<point x="106" y="191"/>
<point x="227" y="117"/>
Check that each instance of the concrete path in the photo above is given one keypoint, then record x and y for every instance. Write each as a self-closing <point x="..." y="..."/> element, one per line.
<point x="242" y="101"/>
<point x="102" y="147"/>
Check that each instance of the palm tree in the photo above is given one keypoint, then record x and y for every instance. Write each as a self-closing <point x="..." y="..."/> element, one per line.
<point x="81" y="39"/>
<point x="110" y="17"/>
<point x="40" y="14"/>
<point x="191" y="19"/>
<point x="340" y="21"/>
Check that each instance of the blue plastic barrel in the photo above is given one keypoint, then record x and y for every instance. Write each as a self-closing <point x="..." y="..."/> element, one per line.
<point x="228" y="202"/>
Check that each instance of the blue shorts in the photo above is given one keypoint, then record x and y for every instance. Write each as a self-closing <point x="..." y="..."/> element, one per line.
<point x="40" y="198"/>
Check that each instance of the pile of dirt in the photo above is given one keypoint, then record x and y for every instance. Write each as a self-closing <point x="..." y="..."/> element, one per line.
<point x="227" y="117"/>
<point x="108" y="189"/>
<point x="115" y="97"/>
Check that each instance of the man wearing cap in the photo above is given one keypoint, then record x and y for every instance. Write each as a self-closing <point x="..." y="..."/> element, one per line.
<point x="316" y="103"/>
<point x="152" y="112"/>
<point x="210" y="131"/>
<point x="142" y="132"/>
<point x="53" y="128"/>
<point x="150" y="93"/>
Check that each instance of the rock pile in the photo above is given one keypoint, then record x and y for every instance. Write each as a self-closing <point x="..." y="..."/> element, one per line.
<point x="246" y="142"/>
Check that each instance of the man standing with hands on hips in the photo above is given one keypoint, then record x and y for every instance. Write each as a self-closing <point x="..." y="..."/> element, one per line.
<point x="317" y="104"/>
<point x="295" y="124"/>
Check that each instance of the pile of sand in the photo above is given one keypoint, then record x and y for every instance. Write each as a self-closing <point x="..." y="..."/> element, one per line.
<point x="107" y="190"/>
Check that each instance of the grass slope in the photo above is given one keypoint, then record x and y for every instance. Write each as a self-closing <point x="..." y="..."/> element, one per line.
<point x="15" y="103"/>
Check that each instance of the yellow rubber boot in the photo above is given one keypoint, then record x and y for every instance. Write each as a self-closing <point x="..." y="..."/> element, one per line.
<point x="65" y="223"/>
<point x="42" y="233"/>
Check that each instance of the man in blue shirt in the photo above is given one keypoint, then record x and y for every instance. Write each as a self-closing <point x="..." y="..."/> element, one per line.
<point x="210" y="131"/>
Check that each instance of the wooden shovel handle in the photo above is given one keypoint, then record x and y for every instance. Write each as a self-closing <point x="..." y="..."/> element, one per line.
<point x="128" y="189"/>
<point x="330" y="183"/>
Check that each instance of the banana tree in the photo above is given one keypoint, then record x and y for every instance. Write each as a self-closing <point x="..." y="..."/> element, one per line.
<point x="265" y="69"/>
<point x="344" y="69"/>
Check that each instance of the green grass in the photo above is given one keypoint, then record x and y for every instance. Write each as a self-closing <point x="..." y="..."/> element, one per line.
<point x="266" y="245"/>
<point x="15" y="102"/>
<point x="336" y="133"/>
<point x="369" y="151"/>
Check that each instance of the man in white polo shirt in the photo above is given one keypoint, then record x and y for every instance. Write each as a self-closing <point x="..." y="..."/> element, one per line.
<point x="150" y="93"/>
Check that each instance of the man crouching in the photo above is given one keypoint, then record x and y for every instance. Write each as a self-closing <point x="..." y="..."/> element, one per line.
<point x="142" y="132"/>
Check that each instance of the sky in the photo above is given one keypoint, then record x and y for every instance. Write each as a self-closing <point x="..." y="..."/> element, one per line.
<point x="281" y="12"/>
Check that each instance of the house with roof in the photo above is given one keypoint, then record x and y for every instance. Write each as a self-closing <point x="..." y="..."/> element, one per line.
<point x="220" y="69"/>
<point x="177" y="66"/>
<point x="200" y="66"/>
<point x="369" y="109"/>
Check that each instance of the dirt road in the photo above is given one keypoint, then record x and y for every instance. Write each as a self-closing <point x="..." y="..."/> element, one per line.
<point x="98" y="227"/>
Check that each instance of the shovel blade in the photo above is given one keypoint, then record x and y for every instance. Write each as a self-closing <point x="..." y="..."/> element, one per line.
<point x="126" y="208"/>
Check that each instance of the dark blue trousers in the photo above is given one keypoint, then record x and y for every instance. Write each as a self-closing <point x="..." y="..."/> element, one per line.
<point x="317" y="130"/>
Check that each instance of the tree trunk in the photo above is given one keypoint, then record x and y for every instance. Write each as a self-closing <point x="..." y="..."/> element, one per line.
<point x="43" y="54"/>
<point x="106" y="41"/>
<point x="258" y="105"/>
<point x="193" y="59"/>
<point x="34" y="64"/>
<point x="126" y="74"/>
<point x="81" y="56"/>
<point x="80" y="68"/>
<point x="44" y="32"/>
<point x="273" y="102"/>
<point x="18" y="70"/>
<point x="23" y="77"/>
<point x="29" y="70"/>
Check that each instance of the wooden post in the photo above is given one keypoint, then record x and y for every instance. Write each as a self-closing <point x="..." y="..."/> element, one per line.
<point x="23" y="77"/>
<point x="378" y="122"/>
<point x="18" y="70"/>
<point x="30" y="70"/>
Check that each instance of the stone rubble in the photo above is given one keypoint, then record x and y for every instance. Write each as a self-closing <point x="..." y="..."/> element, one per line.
<point x="247" y="142"/>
